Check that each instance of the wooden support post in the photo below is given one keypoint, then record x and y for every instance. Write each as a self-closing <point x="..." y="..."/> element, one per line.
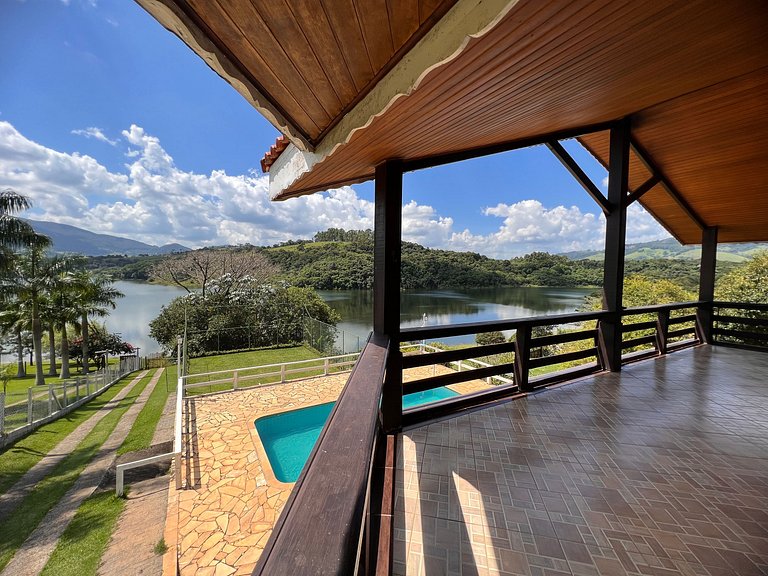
<point x="615" y="238"/>
<point x="662" y="327"/>
<point x="706" y="283"/>
<point x="522" y="356"/>
<point x="386" y="285"/>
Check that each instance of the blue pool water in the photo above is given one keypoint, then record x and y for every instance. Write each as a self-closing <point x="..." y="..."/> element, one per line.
<point x="289" y="437"/>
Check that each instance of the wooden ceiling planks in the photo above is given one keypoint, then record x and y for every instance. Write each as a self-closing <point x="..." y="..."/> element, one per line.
<point x="313" y="59"/>
<point x="554" y="66"/>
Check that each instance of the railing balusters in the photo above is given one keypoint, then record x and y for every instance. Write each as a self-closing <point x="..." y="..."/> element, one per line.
<point x="522" y="356"/>
<point x="662" y="326"/>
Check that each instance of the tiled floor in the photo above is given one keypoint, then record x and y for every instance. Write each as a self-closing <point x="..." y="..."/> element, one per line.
<point x="661" y="469"/>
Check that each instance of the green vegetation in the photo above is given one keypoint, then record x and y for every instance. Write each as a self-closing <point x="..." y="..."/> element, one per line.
<point x="238" y="315"/>
<point x="143" y="429"/>
<point x="747" y="283"/>
<point x="15" y="529"/>
<point x="17" y="459"/>
<point x="82" y="544"/>
<point x="161" y="547"/>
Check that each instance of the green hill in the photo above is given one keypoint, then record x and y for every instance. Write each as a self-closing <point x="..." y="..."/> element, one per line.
<point x="671" y="248"/>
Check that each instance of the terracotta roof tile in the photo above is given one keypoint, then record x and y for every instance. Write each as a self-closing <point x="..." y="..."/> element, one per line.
<point x="274" y="152"/>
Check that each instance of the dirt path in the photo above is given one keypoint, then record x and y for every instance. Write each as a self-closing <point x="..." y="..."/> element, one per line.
<point x="16" y="493"/>
<point x="31" y="557"/>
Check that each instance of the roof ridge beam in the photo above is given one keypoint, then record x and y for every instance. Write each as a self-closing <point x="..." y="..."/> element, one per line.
<point x="581" y="177"/>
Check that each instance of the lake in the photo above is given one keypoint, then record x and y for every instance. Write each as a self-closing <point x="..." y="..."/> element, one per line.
<point x="143" y="301"/>
<point x="450" y="307"/>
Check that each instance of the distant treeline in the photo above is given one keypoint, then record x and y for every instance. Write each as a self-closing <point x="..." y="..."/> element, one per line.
<point x="343" y="259"/>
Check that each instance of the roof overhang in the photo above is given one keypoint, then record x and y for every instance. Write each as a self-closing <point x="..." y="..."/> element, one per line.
<point x="475" y="75"/>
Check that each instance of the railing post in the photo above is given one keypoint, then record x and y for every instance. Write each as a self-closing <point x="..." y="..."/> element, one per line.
<point x="50" y="399"/>
<point x="522" y="356"/>
<point x="65" y="394"/>
<point x="234" y="381"/>
<point x="325" y="367"/>
<point x="88" y="387"/>
<point x="2" y="413"/>
<point x="77" y="390"/>
<point x="615" y="239"/>
<point x="388" y="214"/>
<point x="282" y="373"/>
<point x="662" y="327"/>
<point x="29" y="406"/>
<point x="706" y="284"/>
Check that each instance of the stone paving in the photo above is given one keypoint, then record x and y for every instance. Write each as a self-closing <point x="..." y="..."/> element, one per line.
<point x="222" y="521"/>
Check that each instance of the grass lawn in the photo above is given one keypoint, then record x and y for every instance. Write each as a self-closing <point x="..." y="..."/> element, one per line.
<point x="143" y="428"/>
<point x="15" y="529"/>
<point x="80" y="548"/>
<point x="20" y="385"/>
<point x="15" y="460"/>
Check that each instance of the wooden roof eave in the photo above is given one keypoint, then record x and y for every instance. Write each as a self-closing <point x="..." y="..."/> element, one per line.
<point x="176" y="20"/>
<point x="446" y="41"/>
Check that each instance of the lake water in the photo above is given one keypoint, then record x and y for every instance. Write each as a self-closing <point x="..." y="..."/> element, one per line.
<point x="142" y="304"/>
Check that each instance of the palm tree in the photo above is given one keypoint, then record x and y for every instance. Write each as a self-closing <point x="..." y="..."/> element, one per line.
<point x="14" y="232"/>
<point x="63" y="294"/>
<point x="14" y="318"/>
<point x="95" y="297"/>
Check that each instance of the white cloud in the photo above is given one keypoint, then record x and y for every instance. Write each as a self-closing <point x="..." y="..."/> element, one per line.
<point x="156" y="202"/>
<point x="95" y="133"/>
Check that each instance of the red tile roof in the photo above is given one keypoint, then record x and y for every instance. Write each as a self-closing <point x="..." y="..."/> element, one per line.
<point x="274" y="152"/>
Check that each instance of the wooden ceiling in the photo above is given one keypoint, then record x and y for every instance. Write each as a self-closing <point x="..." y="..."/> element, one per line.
<point x="692" y="75"/>
<point x="312" y="59"/>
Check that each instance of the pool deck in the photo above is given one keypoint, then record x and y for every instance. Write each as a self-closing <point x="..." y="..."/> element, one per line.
<point x="222" y="520"/>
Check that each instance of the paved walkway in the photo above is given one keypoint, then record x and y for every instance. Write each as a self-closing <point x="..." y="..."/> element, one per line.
<point x="32" y="556"/>
<point x="225" y="516"/>
<point x="16" y="493"/>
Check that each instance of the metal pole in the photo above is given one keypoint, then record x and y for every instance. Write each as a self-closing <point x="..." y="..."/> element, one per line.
<point x="29" y="405"/>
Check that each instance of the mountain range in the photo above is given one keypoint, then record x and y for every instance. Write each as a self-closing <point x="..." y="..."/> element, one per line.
<point x="672" y="249"/>
<point x="73" y="240"/>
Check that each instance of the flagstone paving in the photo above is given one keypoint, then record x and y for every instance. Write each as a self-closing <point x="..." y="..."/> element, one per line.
<point x="224" y="518"/>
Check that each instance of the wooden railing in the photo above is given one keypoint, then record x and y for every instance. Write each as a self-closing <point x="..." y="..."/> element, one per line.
<point x="740" y="324"/>
<point x="325" y="525"/>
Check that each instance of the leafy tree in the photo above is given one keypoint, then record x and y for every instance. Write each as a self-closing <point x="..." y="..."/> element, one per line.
<point x="100" y="340"/>
<point x="747" y="283"/>
<point x="250" y="315"/>
<point x="485" y="338"/>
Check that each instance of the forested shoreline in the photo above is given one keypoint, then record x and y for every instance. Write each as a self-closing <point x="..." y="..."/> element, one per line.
<point x="342" y="260"/>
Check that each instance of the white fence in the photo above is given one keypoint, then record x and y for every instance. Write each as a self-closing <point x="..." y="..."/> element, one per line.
<point x="22" y="412"/>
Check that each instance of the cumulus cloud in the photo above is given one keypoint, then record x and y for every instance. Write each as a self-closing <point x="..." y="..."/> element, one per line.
<point x="154" y="201"/>
<point x="95" y="133"/>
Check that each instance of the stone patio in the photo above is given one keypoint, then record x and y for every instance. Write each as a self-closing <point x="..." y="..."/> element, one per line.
<point x="222" y="520"/>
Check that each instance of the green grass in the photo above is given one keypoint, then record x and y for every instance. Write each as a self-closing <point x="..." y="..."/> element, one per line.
<point x="17" y="459"/>
<point x="143" y="428"/>
<point x="80" y="548"/>
<point x="19" y="385"/>
<point x="22" y="521"/>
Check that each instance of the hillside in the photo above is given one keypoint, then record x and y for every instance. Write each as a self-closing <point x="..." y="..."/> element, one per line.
<point x="671" y="248"/>
<point x="74" y="240"/>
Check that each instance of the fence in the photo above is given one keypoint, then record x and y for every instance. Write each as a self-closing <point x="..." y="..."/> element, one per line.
<point x="22" y="412"/>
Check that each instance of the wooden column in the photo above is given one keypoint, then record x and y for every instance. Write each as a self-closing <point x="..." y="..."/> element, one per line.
<point x="707" y="283"/>
<point x="615" y="238"/>
<point x="386" y="285"/>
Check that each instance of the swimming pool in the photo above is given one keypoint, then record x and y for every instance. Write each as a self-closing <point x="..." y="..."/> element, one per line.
<point x="289" y="437"/>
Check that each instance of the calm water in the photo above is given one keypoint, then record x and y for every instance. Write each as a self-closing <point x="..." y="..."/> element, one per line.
<point x="142" y="304"/>
<point x="451" y="307"/>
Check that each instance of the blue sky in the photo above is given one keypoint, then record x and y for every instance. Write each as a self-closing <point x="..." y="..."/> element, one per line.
<point x="109" y="122"/>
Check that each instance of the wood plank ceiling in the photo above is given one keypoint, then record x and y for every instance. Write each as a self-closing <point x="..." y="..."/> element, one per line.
<point x="313" y="59"/>
<point x="691" y="74"/>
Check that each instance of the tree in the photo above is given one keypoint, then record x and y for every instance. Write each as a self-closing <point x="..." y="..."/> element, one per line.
<point x="747" y="283"/>
<point x="485" y="338"/>
<point x="95" y="296"/>
<point x="14" y="232"/>
<point x="197" y="268"/>
<point x="252" y="315"/>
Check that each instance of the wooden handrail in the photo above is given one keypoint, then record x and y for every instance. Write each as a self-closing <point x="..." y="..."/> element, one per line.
<point x="741" y="305"/>
<point x="659" y="307"/>
<point x="320" y="530"/>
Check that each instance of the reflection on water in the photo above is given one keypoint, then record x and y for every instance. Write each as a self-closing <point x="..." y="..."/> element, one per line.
<point x="453" y="306"/>
<point x="140" y="306"/>
<point x="143" y="301"/>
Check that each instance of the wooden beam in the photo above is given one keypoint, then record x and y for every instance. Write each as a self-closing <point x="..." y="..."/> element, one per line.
<point x="572" y="166"/>
<point x="645" y="158"/>
<point x="451" y="157"/>
<point x="386" y="284"/>
<point x="615" y="239"/>
<point x="642" y="189"/>
<point x="707" y="283"/>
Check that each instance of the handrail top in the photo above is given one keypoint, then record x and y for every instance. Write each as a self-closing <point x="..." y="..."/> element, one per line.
<point x="512" y="323"/>
<point x="293" y="362"/>
<point x="661" y="307"/>
<point x="740" y="305"/>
